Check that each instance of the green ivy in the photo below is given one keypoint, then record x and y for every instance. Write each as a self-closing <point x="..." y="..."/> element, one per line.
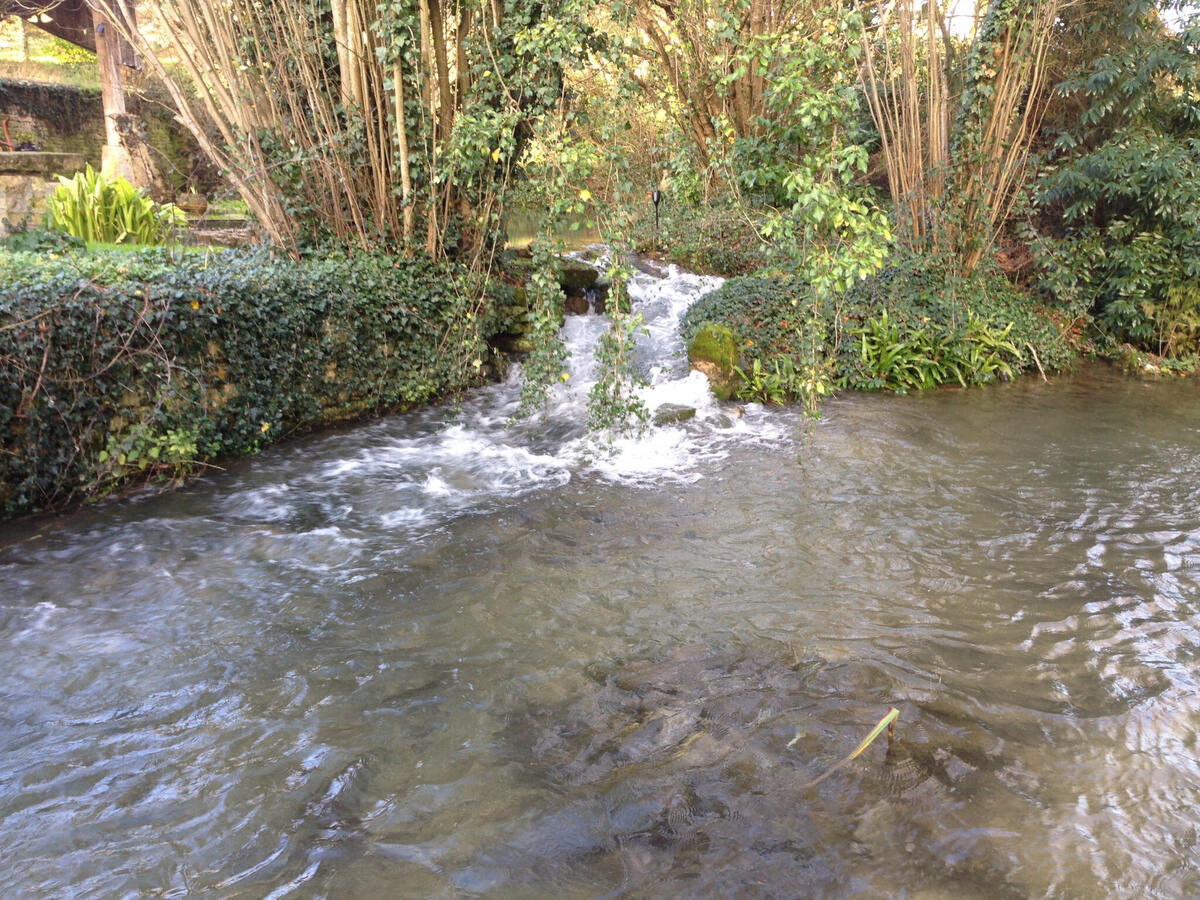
<point x="913" y="325"/>
<point x="122" y="366"/>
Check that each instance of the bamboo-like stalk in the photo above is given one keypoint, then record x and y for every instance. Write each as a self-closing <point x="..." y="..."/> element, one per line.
<point x="981" y="173"/>
<point x="257" y="78"/>
<point x="402" y="146"/>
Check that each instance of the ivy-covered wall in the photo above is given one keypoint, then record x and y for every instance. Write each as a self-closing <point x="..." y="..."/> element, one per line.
<point x="56" y="118"/>
<point x="115" y="367"/>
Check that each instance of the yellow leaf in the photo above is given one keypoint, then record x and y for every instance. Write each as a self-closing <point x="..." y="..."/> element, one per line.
<point x="585" y="195"/>
<point x="266" y="426"/>
<point x="496" y="155"/>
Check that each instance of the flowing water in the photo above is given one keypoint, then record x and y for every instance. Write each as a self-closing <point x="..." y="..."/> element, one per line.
<point x="445" y="656"/>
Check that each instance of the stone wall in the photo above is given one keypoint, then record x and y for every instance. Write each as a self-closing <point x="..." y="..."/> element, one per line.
<point x="60" y="118"/>
<point x="27" y="181"/>
<point x="54" y="118"/>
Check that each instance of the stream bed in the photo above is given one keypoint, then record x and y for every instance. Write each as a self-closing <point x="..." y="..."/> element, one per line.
<point x="445" y="655"/>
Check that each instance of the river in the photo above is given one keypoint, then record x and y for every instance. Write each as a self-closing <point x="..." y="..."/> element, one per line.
<point x="445" y="655"/>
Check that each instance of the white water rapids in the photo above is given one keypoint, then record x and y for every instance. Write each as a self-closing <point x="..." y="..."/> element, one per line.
<point x="416" y="471"/>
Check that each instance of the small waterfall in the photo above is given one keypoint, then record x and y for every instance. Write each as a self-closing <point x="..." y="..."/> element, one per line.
<point x="418" y="469"/>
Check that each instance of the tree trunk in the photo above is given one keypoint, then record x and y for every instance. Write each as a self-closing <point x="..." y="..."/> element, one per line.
<point x="112" y="95"/>
<point x="402" y="144"/>
<point x="145" y="174"/>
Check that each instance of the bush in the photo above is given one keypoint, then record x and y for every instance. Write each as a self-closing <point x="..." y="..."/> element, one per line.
<point x="910" y="327"/>
<point x="707" y="240"/>
<point x="1122" y="188"/>
<point x="119" y="366"/>
<point x="95" y="207"/>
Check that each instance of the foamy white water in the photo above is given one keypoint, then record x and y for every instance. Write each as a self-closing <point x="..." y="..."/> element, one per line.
<point x="414" y="472"/>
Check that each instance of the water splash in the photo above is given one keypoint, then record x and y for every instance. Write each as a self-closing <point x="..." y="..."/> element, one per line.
<point x="416" y="471"/>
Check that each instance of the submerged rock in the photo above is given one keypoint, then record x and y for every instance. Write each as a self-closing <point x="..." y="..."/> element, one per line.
<point x="673" y="413"/>
<point x="714" y="352"/>
<point x="699" y="763"/>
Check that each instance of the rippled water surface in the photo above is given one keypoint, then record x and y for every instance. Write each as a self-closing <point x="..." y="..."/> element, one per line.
<point x="438" y="656"/>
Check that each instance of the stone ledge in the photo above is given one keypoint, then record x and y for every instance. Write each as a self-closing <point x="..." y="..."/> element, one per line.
<point x="36" y="162"/>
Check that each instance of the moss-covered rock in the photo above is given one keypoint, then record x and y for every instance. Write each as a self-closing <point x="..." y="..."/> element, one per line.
<point x="713" y="350"/>
<point x="576" y="276"/>
<point x="673" y="414"/>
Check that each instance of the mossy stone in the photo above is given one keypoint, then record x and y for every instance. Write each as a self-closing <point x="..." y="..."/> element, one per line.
<point x="714" y="351"/>
<point x="673" y="414"/>
<point x="575" y="276"/>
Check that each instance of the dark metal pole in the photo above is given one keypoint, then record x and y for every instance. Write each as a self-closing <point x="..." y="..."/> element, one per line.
<point x="656" y="196"/>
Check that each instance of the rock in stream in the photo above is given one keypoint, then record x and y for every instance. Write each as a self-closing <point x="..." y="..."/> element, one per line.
<point x="675" y="771"/>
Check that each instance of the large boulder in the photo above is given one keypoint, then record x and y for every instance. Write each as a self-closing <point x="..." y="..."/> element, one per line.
<point x="714" y="351"/>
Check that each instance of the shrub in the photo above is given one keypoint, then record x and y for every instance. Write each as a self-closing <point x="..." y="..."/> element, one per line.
<point x="707" y="240"/>
<point x="1122" y="187"/>
<point x="99" y="208"/>
<point x="119" y="366"/>
<point x="911" y="326"/>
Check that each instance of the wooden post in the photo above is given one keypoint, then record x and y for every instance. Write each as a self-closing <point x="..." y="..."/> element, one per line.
<point x="112" y="95"/>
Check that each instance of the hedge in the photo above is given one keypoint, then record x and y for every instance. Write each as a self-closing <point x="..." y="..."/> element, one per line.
<point x="767" y="313"/>
<point x="119" y="366"/>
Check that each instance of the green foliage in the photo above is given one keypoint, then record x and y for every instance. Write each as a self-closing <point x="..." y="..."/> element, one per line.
<point x="1124" y="186"/>
<point x="778" y="382"/>
<point x="709" y="240"/>
<point x="41" y="240"/>
<point x="546" y="364"/>
<point x="93" y="206"/>
<point x="913" y="325"/>
<point x="1176" y="320"/>
<point x="930" y="290"/>
<point x="614" y="404"/>
<point x="891" y="357"/>
<point x="124" y="366"/>
<point x="761" y="312"/>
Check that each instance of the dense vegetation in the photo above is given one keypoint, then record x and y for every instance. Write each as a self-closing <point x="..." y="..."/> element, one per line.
<point x="909" y="327"/>
<point x="115" y="367"/>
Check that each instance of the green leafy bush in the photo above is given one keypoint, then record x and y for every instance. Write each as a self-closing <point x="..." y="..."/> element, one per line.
<point x="891" y="357"/>
<point x="1176" y="320"/>
<point x="96" y="207"/>
<point x="777" y="382"/>
<point x="1122" y="191"/>
<point x="119" y="366"/>
<point x="912" y="326"/>
<point x="41" y="240"/>
<point x="707" y="240"/>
